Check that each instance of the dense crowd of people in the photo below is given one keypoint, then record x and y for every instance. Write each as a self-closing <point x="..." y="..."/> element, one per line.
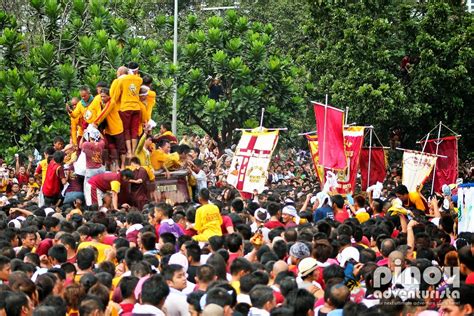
<point x="84" y="231"/>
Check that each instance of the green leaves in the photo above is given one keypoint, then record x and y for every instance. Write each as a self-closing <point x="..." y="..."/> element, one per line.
<point x="235" y="50"/>
<point x="215" y="22"/>
<point x="119" y="27"/>
<point x="113" y="53"/>
<point x="11" y="43"/>
<point x="52" y="9"/>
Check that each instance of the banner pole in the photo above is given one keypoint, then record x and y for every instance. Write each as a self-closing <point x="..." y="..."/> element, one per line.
<point x="436" y="162"/>
<point x="261" y="119"/>
<point x="370" y="157"/>
<point x="347" y="115"/>
<point x="324" y="137"/>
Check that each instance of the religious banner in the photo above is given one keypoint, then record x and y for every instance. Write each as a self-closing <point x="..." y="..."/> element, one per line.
<point x="313" y="148"/>
<point x="417" y="167"/>
<point x="249" y="167"/>
<point x="378" y="166"/>
<point x="446" y="171"/>
<point x="466" y="208"/>
<point x="330" y="125"/>
<point x="353" y="139"/>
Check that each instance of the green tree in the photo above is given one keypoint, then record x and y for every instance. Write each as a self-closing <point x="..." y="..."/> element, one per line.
<point x="240" y="52"/>
<point x="356" y="54"/>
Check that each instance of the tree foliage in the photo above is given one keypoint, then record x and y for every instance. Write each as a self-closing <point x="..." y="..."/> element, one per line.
<point x="356" y="55"/>
<point x="240" y="52"/>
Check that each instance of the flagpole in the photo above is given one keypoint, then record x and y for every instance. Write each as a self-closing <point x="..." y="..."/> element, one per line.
<point x="436" y="162"/>
<point x="370" y="158"/>
<point x="308" y="133"/>
<point x="347" y="115"/>
<point x="324" y="136"/>
<point x="261" y="119"/>
<point x="268" y="129"/>
<point x="419" y="152"/>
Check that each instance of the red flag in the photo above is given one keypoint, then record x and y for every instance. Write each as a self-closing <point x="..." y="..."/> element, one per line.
<point x="378" y="168"/>
<point x="353" y="139"/>
<point x="446" y="168"/>
<point x="330" y="123"/>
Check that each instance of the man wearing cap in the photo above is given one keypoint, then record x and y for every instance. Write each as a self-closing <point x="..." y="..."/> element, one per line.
<point x="298" y="252"/>
<point x="309" y="273"/>
<point x="290" y="216"/>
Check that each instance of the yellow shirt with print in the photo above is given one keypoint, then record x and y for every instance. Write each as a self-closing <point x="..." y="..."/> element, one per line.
<point x="110" y="112"/>
<point x="208" y="222"/>
<point x="128" y="92"/>
<point x="93" y="110"/>
<point x="102" y="249"/>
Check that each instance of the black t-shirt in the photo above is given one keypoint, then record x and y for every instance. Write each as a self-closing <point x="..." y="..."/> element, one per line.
<point x="192" y="271"/>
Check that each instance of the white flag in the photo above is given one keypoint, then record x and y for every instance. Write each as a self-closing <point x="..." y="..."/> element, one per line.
<point x="417" y="167"/>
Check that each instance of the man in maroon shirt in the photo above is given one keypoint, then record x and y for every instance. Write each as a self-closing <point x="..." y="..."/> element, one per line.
<point x="139" y="184"/>
<point x="104" y="182"/>
<point x="93" y="148"/>
<point x="55" y="179"/>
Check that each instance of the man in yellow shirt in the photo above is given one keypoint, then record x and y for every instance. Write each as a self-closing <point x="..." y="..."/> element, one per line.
<point x="410" y="199"/>
<point x="127" y="94"/>
<point x="208" y="218"/>
<point x="80" y="109"/>
<point x="144" y="90"/>
<point x="178" y="159"/>
<point x="76" y="128"/>
<point x="160" y="154"/>
<point x="97" y="233"/>
<point x="144" y="147"/>
<point x="110" y="112"/>
<point x="166" y="133"/>
<point x="95" y="108"/>
<point x="151" y="97"/>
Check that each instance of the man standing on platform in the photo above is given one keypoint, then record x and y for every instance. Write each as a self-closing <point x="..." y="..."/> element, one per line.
<point x="127" y="94"/>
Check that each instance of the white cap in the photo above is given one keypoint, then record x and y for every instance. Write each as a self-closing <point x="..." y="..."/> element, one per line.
<point x="346" y="254"/>
<point x="179" y="259"/>
<point x="261" y="214"/>
<point x="48" y="211"/>
<point x="16" y="222"/>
